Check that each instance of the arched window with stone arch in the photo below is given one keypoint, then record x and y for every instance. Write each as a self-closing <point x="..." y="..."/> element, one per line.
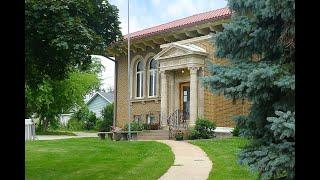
<point x="139" y="79"/>
<point x="153" y="75"/>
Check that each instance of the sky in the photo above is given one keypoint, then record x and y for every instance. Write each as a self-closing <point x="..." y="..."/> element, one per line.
<point x="148" y="13"/>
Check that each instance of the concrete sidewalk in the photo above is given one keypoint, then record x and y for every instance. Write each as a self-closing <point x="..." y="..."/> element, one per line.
<point x="55" y="137"/>
<point x="190" y="162"/>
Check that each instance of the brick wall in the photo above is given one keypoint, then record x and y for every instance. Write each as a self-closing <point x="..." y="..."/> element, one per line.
<point x="139" y="107"/>
<point x="217" y="107"/>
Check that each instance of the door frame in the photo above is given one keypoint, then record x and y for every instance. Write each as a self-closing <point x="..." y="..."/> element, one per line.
<point x="181" y="85"/>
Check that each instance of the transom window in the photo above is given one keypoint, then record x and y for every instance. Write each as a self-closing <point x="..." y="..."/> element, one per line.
<point x="152" y="78"/>
<point x="139" y="79"/>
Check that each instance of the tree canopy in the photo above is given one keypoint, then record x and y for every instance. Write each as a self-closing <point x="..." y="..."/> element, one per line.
<point x="60" y="37"/>
<point x="259" y="43"/>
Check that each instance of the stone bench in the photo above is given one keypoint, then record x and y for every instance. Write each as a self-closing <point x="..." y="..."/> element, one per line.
<point x="102" y="135"/>
<point x="122" y="135"/>
<point x="221" y="132"/>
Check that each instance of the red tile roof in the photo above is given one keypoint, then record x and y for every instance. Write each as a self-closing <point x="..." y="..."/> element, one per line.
<point x="182" y="23"/>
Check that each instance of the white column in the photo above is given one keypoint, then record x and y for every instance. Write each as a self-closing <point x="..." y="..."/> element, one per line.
<point x="193" y="95"/>
<point x="164" y="99"/>
<point x="171" y="94"/>
<point x="200" y="95"/>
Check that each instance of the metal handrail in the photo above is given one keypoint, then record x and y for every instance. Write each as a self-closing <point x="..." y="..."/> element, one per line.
<point x="176" y="121"/>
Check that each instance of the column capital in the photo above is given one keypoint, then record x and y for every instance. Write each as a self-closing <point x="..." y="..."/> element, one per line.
<point x="193" y="69"/>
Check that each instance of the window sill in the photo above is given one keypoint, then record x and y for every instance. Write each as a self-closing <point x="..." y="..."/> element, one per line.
<point x="144" y="100"/>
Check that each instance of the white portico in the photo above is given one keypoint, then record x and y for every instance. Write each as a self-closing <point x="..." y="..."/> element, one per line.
<point x="180" y="66"/>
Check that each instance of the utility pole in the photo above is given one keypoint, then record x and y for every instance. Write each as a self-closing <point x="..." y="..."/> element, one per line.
<point x="129" y="81"/>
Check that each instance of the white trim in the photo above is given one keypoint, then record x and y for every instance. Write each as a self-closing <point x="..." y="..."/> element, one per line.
<point x="97" y="93"/>
<point x="153" y="72"/>
<point x="190" y="49"/>
<point x="140" y="73"/>
<point x="134" y="61"/>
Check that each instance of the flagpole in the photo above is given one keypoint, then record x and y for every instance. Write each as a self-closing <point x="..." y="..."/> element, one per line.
<point x="129" y="81"/>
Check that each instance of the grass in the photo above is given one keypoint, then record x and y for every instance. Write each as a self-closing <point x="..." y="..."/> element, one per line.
<point x="223" y="154"/>
<point x="91" y="158"/>
<point x="56" y="132"/>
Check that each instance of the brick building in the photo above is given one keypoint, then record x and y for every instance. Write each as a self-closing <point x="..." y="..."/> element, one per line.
<point x="165" y="66"/>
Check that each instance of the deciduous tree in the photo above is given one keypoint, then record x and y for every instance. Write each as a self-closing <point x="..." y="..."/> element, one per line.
<point x="60" y="37"/>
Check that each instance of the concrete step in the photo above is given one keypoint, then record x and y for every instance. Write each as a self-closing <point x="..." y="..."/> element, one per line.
<point x="154" y="135"/>
<point x="155" y="131"/>
<point x="153" y="138"/>
<point x="141" y="135"/>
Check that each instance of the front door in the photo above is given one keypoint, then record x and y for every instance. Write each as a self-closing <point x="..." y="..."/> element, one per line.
<point x="185" y="99"/>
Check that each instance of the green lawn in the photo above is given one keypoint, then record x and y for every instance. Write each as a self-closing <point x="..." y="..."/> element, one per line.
<point x="91" y="158"/>
<point x="223" y="154"/>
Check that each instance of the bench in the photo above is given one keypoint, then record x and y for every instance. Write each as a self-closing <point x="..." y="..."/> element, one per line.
<point x="102" y="135"/>
<point x="122" y="135"/>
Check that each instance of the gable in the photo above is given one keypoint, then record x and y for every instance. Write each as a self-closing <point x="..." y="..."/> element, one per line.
<point x="97" y="104"/>
<point x="176" y="50"/>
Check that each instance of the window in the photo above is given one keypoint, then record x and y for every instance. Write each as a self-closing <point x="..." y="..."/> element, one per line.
<point x="151" y="119"/>
<point x="139" y="79"/>
<point x="137" y="118"/>
<point x="152" y="78"/>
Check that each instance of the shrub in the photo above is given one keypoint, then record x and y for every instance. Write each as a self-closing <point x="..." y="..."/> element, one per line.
<point x="87" y="118"/>
<point x="104" y="126"/>
<point x="54" y="124"/>
<point x="107" y="115"/>
<point x="135" y="126"/>
<point x="82" y="114"/>
<point x="235" y="131"/>
<point x="98" y="124"/>
<point x="205" y="128"/>
<point x="75" y="125"/>
<point x="179" y="135"/>
<point x="240" y="125"/>
<point x="193" y="134"/>
<point x="107" y="112"/>
<point x="90" y="121"/>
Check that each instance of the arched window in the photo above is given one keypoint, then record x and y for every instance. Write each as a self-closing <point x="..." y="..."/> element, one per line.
<point x="152" y="78"/>
<point x="140" y="79"/>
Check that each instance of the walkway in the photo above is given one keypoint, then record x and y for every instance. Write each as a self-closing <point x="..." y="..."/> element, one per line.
<point x="190" y="162"/>
<point x="54" y="137"/>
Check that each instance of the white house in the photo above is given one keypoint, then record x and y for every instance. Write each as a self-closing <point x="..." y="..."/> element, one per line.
<point x="95" y="104"/>
<point x="98" y="101"/>
<point x="64" y="118"/>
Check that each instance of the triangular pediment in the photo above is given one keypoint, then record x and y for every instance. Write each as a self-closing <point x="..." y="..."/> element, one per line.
<point x="175" y="50"/>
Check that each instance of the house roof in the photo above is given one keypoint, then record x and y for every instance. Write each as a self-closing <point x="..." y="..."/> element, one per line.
<point x="182" y="23"/>
<point x="106" y="95"/>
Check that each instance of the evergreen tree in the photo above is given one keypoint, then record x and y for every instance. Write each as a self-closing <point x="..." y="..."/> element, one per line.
<point x="259" y="44"/>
